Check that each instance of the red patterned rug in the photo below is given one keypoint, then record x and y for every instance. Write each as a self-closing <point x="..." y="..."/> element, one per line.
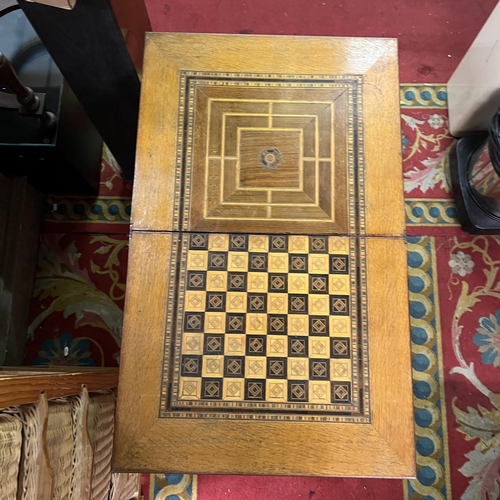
<point x="454" y="288"/>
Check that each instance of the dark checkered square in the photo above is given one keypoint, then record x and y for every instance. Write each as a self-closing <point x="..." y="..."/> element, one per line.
<point x="217" y="261"/>
<point x="318" y="244"/>
<point x="319" y="325"/>
<point x="235" y="323"/>
<point x="277" y="324"/>
<point x="198" y="241"/>
<point x="256" y="345"/>
<point x="257" y="262"/>
<point x="191" y="366"/>
<point x="298" y="391"/>
<point x="238" y="242"/>
<point x="278" y="243"/>
<point x="213" y="343"/>
<point x="297" y="263"/>
<point x="319" y="369"/>
<point x="255" y="390"/>
<point x="234" y="366"/>
<point x="297" y="304"/>
<point x="257" y="303"/>
<point x="340" y="348"/>
<point x="339" y="264"/>
<point x="341" y="392"/>
<point x="318" y="283"/>
<point x="276" y="367"/>
<point x="237" y="282"/>
<point x="194" y="322"/>
<point x="196" y="280"/>
<point x="211" y="388"/>
<point x="216" y="301"/>
<point x="298" y="347"/>
<point x="277" y="283"/>
<point x="339" y="305"/>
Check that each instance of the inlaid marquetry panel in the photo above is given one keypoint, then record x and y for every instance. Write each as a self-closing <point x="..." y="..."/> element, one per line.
<point x="270" y="153"/>
<point x="276" y="320"/>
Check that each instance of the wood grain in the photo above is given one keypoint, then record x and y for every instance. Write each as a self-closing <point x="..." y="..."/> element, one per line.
<point x="22" y="386"/>
<point x="374" y="59"/>
<point x="383" y="448"/>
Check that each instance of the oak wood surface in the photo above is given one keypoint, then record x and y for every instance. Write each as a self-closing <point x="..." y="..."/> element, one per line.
<point x="295" y="193"/>
<point x="167" y="54"/>
<point x="383" y="448"/>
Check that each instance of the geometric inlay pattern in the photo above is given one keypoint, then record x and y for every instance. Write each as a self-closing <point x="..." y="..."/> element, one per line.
<point x="262" y="149"/>
<point x="278" y="320"/>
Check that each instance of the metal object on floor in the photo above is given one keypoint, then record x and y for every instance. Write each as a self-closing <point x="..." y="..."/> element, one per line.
<point x="475" y="167"/>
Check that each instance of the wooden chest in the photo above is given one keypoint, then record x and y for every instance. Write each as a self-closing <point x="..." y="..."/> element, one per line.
<point x="266" y="323"/>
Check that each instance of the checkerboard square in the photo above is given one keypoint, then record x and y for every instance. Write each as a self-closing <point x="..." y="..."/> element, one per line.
<point x="297" y="304"/>
<point x="198" y="241"/>
<point x="196" y="280"/>
<point x="339" y="264"/>
<point x="236" y="302"/>
<point x="277" y="324"/>
<point x="339" y="305"/>
<point x="213" y="344"/>
<point x="319" y="304"/>
<point x="319" y="369"/>
<point x="277" y="303"/>
<point x="255" y="367"/>
<point x="255" y="390"/>
<point x="298" y="391"/>
<point x="191" y="365"/>
<point x="340" y="348"/>
<point x="257" y="262"/>
<point x="235" y="323"/>
<point x="341" y="392"/>
<point x="298" y="324"/>
<point x="256" y="345"/>
<point x="256" y="323"/>
<point x="190" y="388"/>
<point x="195" y="301"/>
<point x="318" y="244"/>
<point x="276" y="390"/>
<point x="234" y="389"/>
<point x="215" y="322"/>
<point x="197" y="260"/>
<point x="257" y="282"/>
<point x="211" y="388"/>
<point x="213" y="366"/>
<point x="192" y="343"/>
<point x="319" y="325"/>
<point x="298" y="283"/>
<point x="339" y="284"/>
<point x="319" y="392"/>
<point x="216" y="281"/>
<point x="297" y="263"/>
<point x="234" y="344"/>
<point x="318" y="283"/>
<point x="257" y="302"/>
<point x="217" y="261"/>
<point x="298" y="244"/>
<point x="237" y="262"/>
<point x="234" y="366"/>
<point x="318" y="263"/>
<point x="298" y="368"/>
<point x="278" y="283"/>
<point x="218" y="242"/>
<point x="278" y="263"/>
<point x="194" y="322"/>
<point x="237" y="282"/>
<point x="319" y="347"/>
<point x="238" y="242"/>
<point x="216" y="301"/>
<point x="298" y="347"/>
<point x="258" y="243"/>
<point x="276" y="345"/>
<point x="278" y="243"/>
<point x="277" y="368"/>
